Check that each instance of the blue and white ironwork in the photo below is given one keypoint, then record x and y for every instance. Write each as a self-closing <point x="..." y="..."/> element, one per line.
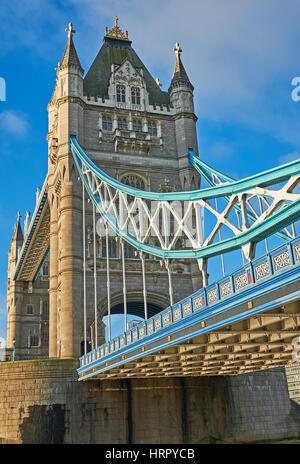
<point x="279" y="268"/>
<point x="214" y="177"/>
<point x="165" y="227"/>
<point x="170" y="226"/>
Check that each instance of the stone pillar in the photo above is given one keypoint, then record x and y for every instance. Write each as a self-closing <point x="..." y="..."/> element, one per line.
<point x="70" y="276"/>
<point x="53" y="282"/>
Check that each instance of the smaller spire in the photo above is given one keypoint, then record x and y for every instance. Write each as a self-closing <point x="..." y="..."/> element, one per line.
<point x="179" y="73"/>
<point x="18" y="234"/>
<point x="70" y="57"/>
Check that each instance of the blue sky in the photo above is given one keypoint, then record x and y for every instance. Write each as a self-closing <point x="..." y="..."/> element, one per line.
<point x="241" y="57"/>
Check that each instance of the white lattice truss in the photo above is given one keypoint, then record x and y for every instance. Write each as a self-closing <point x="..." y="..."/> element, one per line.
<point x="170" y="229"/>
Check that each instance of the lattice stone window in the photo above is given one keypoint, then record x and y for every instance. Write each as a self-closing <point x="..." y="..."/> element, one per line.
<point x="29" y="309"/>
<point x="121" y="93"/>
<point x="137" y="125"/>
<point x="133" y="180"/>
<point x="152" y="128"/>
<point x="106" y="123"/>
<point x="122" y="123"/>
<point x="135" y="96"/>
<point x="34" y="340"/>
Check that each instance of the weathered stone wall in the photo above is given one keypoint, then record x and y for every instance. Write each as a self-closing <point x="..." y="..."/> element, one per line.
<point x="42" y="402"/>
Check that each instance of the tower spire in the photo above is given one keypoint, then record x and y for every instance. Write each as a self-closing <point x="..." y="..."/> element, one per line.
<point x="70" y="57"/>
<point x="179" y="73"/>
<point x="18" y="234"/>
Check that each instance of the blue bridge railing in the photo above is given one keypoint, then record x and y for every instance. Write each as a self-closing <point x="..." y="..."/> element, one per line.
<point x="262" y="269"/>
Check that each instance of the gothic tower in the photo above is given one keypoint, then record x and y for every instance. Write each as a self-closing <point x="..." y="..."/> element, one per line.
<point x="136" y="133"/>
<point x="65" y="118"/>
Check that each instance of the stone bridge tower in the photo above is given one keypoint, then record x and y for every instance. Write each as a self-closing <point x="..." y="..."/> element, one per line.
<point x="137" y="133"/>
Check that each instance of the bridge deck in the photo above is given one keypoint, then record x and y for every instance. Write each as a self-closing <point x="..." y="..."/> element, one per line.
<point x="242" y="323"/>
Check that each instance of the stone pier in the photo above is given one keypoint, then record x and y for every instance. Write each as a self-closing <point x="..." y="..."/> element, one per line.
<point x="42" y="402"/>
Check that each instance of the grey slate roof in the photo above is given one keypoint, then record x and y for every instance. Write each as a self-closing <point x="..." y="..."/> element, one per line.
<point x="70" y="56"/>
<point x="179" y="74"/>
<point x="115" y="51"/>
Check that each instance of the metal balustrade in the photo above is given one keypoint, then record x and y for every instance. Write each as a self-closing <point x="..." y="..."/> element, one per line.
<point x="277" y="262"/>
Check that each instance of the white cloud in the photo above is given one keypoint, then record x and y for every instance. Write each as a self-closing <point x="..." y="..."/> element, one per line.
<point x="29" y="24"/>
<point x="14" y="123"/>
<point x="240" y="55"/>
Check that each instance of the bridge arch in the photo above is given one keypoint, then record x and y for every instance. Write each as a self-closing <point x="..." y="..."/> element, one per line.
<point x="156" y="302"/>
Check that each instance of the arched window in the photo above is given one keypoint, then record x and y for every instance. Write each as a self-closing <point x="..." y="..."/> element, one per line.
<point x="122" y="124"/>
<point x="135" y="96"/>
<point x="137" y="125"/>
<point x="152" y="129"/>
<point x="106" y="123"/>
<point x="133" y="180"/>
<point x="121" y="93"/>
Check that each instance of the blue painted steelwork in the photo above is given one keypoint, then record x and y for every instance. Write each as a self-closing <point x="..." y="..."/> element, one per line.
<point x="205" y="170"/>
<point x="264" y="275"/>
<point x="275" y="175"/>
<point x="32" y="228"/>
<point x="277" y="221"/>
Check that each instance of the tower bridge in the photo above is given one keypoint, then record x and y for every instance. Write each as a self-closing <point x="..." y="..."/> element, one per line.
<point x="128" y="220"/>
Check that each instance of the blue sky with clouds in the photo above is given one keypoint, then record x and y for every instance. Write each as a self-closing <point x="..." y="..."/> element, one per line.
<point x="241" y="57"/>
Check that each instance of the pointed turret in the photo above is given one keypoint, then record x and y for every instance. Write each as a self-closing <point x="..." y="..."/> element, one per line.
<point x="179" y="74"/>
<point x="18" y="234"/>
<point x="70" y="57"/>
<point x="182" y="99"/>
